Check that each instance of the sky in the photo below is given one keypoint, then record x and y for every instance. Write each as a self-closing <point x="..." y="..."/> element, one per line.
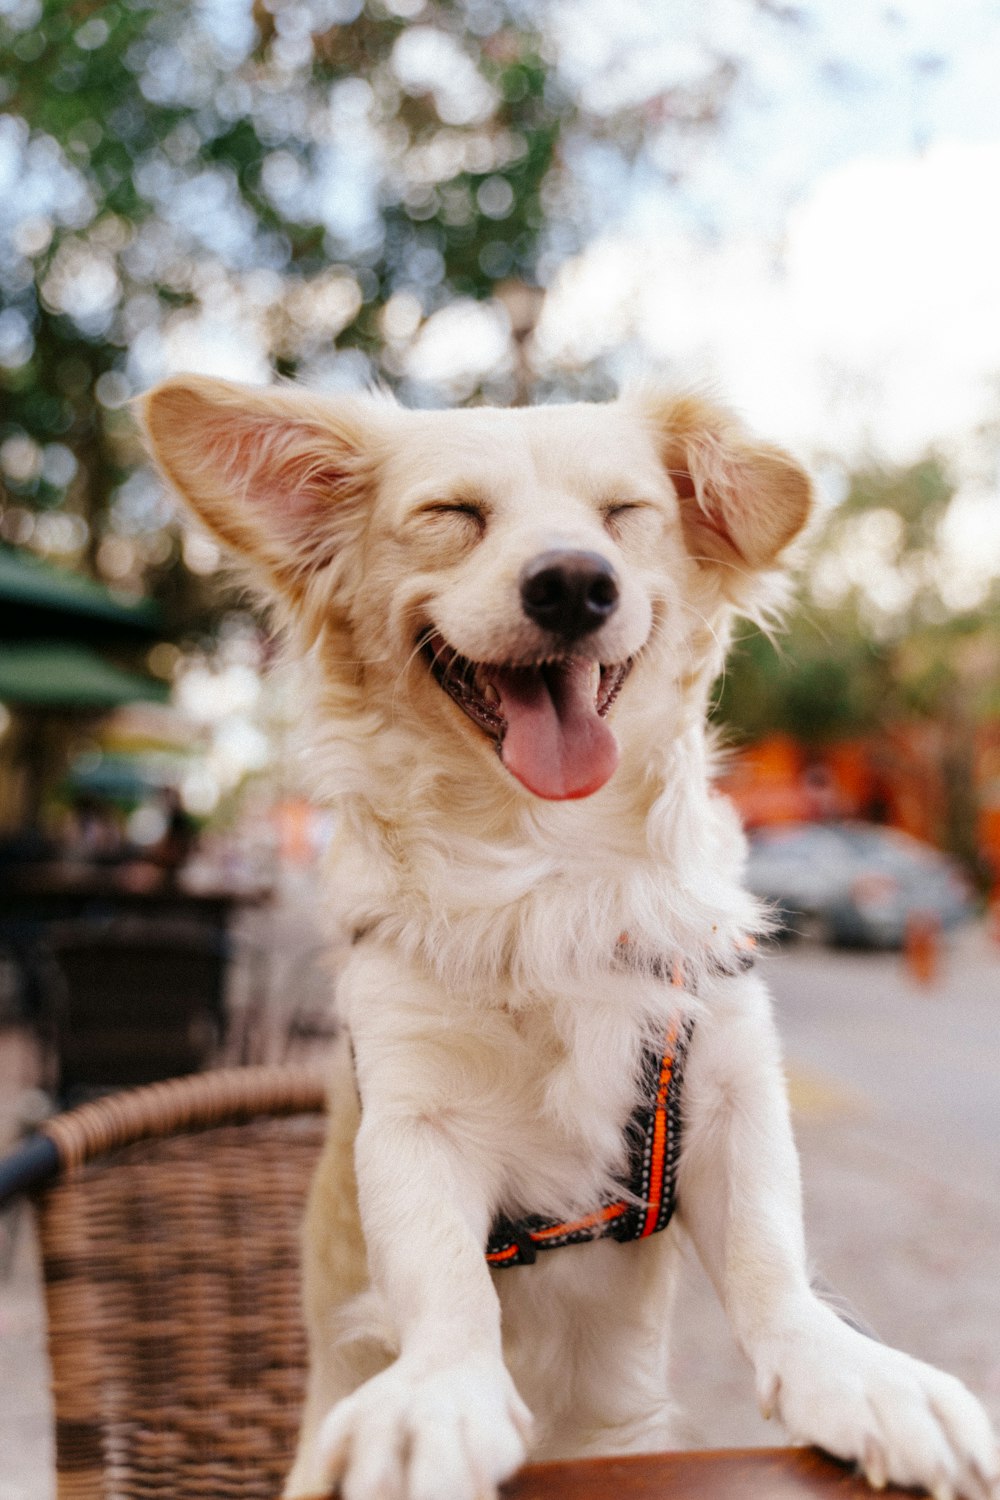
<point x="829" y="257"/>
<point x="824" y="258"/>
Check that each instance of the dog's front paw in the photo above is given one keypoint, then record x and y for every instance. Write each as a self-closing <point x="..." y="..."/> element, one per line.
<point x="900" y="1420"/>
<point x="412" y="1434"/>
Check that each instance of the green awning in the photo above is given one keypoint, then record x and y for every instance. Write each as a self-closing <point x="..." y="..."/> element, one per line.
<point x="34" y="596"/>
<point x="124" y="776"/>
<point x="44" y="674"/>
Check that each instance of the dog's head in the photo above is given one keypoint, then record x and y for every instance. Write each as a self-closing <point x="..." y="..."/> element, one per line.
<point x="525" y="581"/>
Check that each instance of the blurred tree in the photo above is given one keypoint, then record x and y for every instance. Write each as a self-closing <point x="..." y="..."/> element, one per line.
<point x="818" y="681"/>
<point x="889" y="626"/>
<point x="888" y="621"/>
<point x="335" y="173"/>
<point x="342" y="182"/>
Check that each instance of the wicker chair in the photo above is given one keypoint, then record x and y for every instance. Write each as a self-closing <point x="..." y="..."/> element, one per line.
<point x="168" y="1218"/>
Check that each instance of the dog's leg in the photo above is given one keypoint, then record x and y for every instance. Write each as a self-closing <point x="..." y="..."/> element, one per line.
<point x="335" y="1277"/>
<point x="444" y="1421"/>
<point x="587" y="1337"/>
<point x="739" y="1193"/>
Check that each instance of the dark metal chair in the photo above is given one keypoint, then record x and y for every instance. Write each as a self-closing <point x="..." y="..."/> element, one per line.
<point x="130" y="1001"/>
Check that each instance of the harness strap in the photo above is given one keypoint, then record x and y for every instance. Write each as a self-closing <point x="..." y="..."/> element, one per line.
<point x="653" y="1137"/>
<point x="654" y="1148"/>
<point x="654" y="1142"/>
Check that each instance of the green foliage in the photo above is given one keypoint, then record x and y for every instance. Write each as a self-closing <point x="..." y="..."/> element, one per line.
<point x="815" y="684"/>
<point x="305" y="163"/>
<point x="879" y="631"/>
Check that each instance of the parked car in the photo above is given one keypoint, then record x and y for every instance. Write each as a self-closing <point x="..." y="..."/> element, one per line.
<point x="853" y="883"/>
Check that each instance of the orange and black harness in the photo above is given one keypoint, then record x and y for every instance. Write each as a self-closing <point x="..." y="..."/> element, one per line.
<point x="654" y="1146"/>
<point x="654" y="1133"/>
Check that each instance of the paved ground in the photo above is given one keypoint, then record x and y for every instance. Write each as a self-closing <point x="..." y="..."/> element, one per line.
<point x="897" y="1102"/>
<point x="25" y="1440"/>
<point x="896" y="1090"/>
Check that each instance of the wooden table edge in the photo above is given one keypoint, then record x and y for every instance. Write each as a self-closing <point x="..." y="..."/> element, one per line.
<point x="697" y="1474"/>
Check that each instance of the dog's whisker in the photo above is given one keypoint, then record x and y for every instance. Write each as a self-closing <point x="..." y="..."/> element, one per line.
<point x="400" y="678"/>
<point x="702" y="619"/>
<point x="730" y="564"/>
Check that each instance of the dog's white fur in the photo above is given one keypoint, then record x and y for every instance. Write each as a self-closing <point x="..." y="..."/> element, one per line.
<point x="496" y="1036"/>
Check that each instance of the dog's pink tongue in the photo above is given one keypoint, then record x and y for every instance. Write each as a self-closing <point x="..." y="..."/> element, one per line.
<point x="556" y="743"/>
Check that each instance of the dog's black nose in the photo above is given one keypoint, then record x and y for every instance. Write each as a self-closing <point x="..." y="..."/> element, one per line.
<point x="568" y="592"/>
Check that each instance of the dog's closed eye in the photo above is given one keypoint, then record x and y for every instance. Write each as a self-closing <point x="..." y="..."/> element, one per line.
<point x="474" y="514"/>
<point x="617" y="513"/>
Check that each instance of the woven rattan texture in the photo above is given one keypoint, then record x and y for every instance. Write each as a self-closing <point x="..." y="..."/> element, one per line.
<point x="172" y="1280"/>
<point x="159" y="1109"/>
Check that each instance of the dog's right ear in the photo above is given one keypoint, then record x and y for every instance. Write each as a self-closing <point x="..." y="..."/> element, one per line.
<point x="741" y="501"/>
<point x="280" y="476"/>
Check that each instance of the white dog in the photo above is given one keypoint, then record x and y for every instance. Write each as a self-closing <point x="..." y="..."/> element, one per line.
<point x="510" y="622"/>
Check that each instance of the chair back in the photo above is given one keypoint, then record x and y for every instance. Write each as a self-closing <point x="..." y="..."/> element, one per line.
<point x="170" y="1248"/>
<point x="133" y="1000"/>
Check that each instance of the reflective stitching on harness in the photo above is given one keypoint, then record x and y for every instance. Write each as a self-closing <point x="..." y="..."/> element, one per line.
<point x="658" y="1176"/>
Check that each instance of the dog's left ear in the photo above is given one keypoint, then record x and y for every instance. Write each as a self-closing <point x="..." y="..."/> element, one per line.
<point x="278" y="475"/>
<point x="741" y="501"/>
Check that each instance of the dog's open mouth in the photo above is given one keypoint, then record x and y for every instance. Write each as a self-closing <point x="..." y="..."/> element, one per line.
<point x="547" y="719"/>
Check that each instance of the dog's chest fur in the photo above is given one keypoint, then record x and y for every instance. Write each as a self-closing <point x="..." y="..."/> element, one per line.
<point x="536" y="965"/>
<point x="538" y="1096"/>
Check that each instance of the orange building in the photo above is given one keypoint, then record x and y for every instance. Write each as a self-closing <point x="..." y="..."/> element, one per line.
<point x="899" y="778"/>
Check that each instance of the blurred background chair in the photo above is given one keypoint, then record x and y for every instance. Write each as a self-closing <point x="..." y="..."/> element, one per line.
<point x="130" y="1001"/>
